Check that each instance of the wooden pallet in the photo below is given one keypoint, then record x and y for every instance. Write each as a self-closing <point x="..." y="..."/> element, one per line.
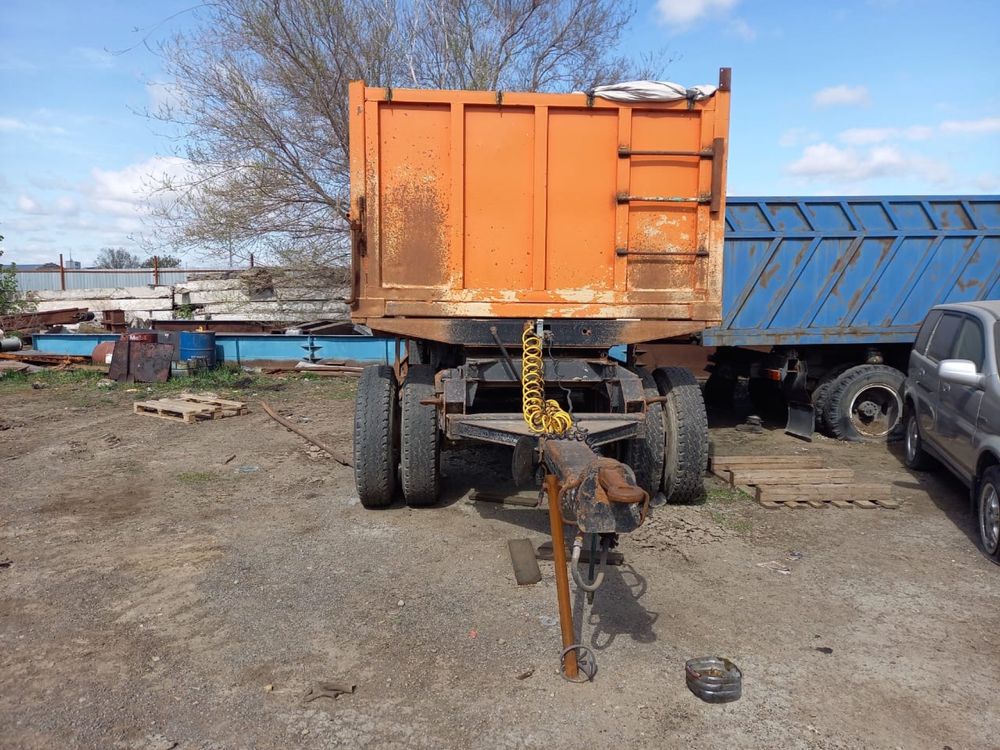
<point x="799" y="482"/>
<point x="190" y="408"/>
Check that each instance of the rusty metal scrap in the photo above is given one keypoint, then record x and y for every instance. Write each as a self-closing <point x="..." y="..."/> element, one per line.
<point x="334" y="453"/>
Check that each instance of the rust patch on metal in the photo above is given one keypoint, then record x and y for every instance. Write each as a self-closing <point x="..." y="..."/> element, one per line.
<point x="414" y="235"/>
<point x="768" y="274"/>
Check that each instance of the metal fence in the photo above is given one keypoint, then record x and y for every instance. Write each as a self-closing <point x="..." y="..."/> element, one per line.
<point x="62" y="278"/>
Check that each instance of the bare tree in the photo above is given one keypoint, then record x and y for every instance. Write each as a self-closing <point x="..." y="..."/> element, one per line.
<point x="116" y="257"/>
<point x="162" y="261"/>
<point x="260" y="101"/>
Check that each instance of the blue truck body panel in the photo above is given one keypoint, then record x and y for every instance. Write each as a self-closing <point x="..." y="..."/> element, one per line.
<point x="851" y="270"/>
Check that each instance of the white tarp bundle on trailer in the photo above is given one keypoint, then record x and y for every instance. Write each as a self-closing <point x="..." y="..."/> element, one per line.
<point x="652" y="91"/>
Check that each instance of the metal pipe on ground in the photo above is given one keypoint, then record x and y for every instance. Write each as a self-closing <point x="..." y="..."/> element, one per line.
<point x="334" y="453"/>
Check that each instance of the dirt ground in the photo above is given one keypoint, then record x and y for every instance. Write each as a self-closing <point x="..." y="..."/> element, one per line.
<point x="158" y="597"/>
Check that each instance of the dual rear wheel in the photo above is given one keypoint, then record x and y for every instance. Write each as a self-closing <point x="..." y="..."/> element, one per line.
<point x="673" y="455"/>
<point x="396" y="442"/>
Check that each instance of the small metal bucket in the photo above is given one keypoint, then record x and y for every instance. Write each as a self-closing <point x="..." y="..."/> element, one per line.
<point x="714" y="679"/>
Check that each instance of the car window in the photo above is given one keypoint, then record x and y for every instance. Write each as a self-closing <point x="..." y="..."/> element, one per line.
<point x="996" y="343"/>
<point x="969" y="344"/>
<point x="944" y="336"/>
<point x="926" y="330"/>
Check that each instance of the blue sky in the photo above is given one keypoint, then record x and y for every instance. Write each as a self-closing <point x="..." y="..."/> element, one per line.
<point x="852" y="97"/>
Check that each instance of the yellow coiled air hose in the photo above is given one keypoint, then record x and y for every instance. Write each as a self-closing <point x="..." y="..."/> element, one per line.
<point x="541" y="416"/>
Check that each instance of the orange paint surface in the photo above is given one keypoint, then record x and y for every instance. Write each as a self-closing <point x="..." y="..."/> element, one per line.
<point x="536" y="205"/>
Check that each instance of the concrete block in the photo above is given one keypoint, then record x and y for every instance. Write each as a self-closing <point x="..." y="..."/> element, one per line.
<point x="210" y="285"/>
<point x="130" y="292"/>
<point x="97" y="305"/>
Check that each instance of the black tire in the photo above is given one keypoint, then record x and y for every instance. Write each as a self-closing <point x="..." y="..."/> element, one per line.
<point x="865" y="403"/>
<point x="420" y="444"/>
<point x="913" y="447"/>
<point x="376" y="437"/>
<point x="719" y="390"/>
<point x="645" y="455"/>
<point x="686" y="435"/>
<point x="821" y="393"/>
<point x="988" y="512"/>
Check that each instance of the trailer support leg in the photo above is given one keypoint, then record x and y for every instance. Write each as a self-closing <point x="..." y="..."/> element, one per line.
<point x="570" y="669"/>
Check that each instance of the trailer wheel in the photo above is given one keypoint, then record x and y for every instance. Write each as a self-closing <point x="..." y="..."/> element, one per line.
<point x="376" y="437"/>
<point x="646" y="455"/>
<point x="420" y="445"/>
<point x="686" y="439"/>
<point x="865" y="403"/>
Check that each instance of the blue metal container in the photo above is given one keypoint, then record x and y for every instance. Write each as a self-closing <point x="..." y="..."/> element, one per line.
<point x="854" y="270"/>
<point x="248" y="348"/>
<point x="200" y="344"/>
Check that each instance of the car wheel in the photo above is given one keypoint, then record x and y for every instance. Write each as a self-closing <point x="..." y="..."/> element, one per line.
<point x="916" y="457"/>
<point x="988" y="511"/>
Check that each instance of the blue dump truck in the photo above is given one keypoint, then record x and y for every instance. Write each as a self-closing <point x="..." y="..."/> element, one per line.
<point x="823" y="297"/>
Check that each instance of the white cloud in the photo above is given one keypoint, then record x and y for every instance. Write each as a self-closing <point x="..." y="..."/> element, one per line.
<point x="17" y="125"/>
<point x="842" y="95"/>
<point x="124" y="192"/>
<point x="108" y="208"/>
<point x="985" y="125"/>
<point x="60" y="206"/>
<point x="95" y="58"/>
<point x="740" y="28"/>
<point x="827" y="162"/>
<point x="28" y="205"/>
<point x="797" y="137"/>
<point x="868" y="136"/>
<point x="163" y="96"/>
<point x="683" y="13"/>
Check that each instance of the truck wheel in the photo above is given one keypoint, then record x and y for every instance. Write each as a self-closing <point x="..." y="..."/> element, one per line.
<point x="421" y="445"/>
<point x="645" y="455"/>
<point x="865" y="403"/>
<point x="686" y="438"/>
<point x="821" y="393"/>
<point x="376" y="437"/>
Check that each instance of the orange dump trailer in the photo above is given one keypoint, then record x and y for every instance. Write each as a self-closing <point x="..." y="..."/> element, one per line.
<point x="511" y="240"/>
<point x="495" y="205"/>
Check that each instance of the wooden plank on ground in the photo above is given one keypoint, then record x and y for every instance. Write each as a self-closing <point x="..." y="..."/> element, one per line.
<point x="790" y="476"/>
<point x="212" y="400"/>
<point x="888" y="503"/>
<point x="841" y="504"/>
<point x="723" y="463"/>
<point x="853" y="491"/>
<point x="865" y="504"/>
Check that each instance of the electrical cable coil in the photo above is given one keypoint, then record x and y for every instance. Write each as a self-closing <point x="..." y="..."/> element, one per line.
<point x="542" y="416"/>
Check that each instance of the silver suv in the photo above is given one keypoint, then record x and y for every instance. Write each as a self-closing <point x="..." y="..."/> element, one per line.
<point x="952" y="404"/>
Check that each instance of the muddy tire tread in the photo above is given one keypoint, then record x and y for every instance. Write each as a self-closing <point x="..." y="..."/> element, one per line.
<point x="686" y="433"/>
<point x="376" y="453"/>
<point x="646" y="455"/>
<point x="420" y="444"/>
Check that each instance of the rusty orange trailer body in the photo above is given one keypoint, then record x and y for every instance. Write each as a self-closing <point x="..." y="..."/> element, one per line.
<point x="489" y="205"/>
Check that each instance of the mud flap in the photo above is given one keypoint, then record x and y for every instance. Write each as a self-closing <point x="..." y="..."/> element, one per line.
<point x="801" y="414"/>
